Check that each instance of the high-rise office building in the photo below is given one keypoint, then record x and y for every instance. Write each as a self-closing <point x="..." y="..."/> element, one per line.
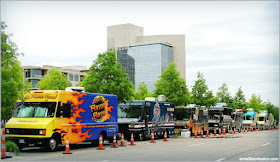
<point x="127" y="62"/>
<point x="122" y="35"/>
<point x="128" y="35"/>
<point x="151" y="58"/>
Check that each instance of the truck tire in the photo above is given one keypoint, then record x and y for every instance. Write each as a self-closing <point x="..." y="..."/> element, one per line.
<point x="141" y="136"/>
<point x="51" y="144"/>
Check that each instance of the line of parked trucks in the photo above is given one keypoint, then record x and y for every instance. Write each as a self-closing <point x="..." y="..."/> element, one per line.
<point x="196" y="118"/>
<point x="50" y="117"/>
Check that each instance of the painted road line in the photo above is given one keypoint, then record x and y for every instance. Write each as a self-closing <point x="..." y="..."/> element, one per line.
<point x="196" y="144"/>
<point x="265" y="144"/>
<point x="221" y="159"/>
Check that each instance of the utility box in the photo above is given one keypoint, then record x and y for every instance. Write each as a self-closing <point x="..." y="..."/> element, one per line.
<point x="185" y="133"/>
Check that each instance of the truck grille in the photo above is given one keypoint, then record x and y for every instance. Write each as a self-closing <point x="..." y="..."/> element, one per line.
<point x="21" y="131"/>
<point x="212" y="124"/>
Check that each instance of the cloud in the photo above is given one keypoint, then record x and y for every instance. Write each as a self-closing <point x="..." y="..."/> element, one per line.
<point x="228" y="41"/>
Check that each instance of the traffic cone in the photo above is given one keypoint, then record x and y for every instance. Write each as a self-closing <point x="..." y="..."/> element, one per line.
<point x="165" y="136"/>
<point x="3" y="146"/>
<point x="100" y="143"/>
<point x="244" y="130"/>
<point x="114" y="142"/>
<point x="220" y="131"/>
<point x="214" y="131"/>
<point x="251" y="129"/>
<point x="207" y="134"/>
<point x="201" y="133"/>
<point x="195" y="133"/>
<point x="122" y="141"/>
<point x="247" y="129"/>
<point x="239" y="130"/>
<point x="224" y="132"/>
<point x="132" y="140"/>
<point x="67" y="148"/>
<point x="234" y="130"/>
<point x="231" y="131"/>
<point x="153" y="138"/>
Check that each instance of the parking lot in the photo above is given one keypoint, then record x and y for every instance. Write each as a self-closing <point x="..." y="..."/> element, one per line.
<point x="230" y="147"/>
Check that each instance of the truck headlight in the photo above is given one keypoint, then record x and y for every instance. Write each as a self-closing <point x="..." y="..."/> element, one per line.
<point x="131" y="126"/>
<point x="7" y="131"/>
<point x="215" y="125"/>
<point x="42" y="132"/>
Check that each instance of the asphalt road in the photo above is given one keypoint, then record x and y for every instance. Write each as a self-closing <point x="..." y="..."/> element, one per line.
<point x="230" y="147"/>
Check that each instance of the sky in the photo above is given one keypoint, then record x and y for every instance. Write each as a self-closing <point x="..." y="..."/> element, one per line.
<point x="232" y="42"/>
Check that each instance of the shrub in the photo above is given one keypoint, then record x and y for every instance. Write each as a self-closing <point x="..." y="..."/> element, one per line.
<point x="12" y="147"/>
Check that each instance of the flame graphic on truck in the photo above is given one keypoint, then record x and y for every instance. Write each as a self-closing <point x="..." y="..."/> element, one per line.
<point x="100" y="109"/>
<point x="72" y="127"/>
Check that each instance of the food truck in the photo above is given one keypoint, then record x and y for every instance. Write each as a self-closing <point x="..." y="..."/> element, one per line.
<point x="191" y="117"/>
<point x="50" y="117"/>
<point x="141" y="117"/>
<point x="237" y="119"/>
<point x="263" y="119"/>
<point x="250" y="118"/>
<point x="219" y="117"/>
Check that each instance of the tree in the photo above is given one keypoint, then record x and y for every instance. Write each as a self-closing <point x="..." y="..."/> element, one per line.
<point x="172" y="86"/>
<point x="256" y="103"/>
<point x="200" y="94"/>
<point x="142" y="92"/>
<point x="239" y="101"/>
<point x="224" y="95"/>
<point x="11" y="74"/>
<point x="271" y="109"/>
<point x="55" y="80"/>
<point x="269" y="106"/>
<point x="107" y="76"/>
<point x="276" y="113"/>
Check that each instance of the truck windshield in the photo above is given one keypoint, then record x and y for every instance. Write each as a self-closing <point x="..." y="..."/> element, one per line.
<point x="34" y="109"/>
<point x="182" y="114"/>
<point x="126" y="111"/>
<point x="261" y="118"/>
<point x="214" y="114"/>
<point x="249" y="117"/>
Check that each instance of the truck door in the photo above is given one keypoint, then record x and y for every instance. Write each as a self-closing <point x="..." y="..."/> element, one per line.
<point x="146" y="117"/>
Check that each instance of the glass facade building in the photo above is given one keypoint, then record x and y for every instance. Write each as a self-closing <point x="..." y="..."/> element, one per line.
<point x="127" y="63"/>
<point x="150" y="58"/>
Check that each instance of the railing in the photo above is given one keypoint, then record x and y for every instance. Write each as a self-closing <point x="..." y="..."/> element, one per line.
<point x="37" y="76"/>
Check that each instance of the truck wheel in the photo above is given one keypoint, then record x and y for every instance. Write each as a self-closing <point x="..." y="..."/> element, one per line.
<point x="51" y="144"/>
<point x="141" y="137"/>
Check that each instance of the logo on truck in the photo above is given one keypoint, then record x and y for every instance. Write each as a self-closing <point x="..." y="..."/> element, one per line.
<point x="100" y="109"/>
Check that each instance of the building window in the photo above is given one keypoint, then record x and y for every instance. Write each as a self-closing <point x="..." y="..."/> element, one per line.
<point x="27" y="73"/>
<point x="71" y="76"/>
<point x="76" y="77"/>
<point x="34" y="83"/>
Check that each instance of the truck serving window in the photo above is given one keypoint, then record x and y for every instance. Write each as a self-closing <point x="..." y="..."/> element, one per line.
<point x="34" y="109"/>
<point x="214" y="114"/>
<point x="126" y="111"/>
<point x="183" y="114"/>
